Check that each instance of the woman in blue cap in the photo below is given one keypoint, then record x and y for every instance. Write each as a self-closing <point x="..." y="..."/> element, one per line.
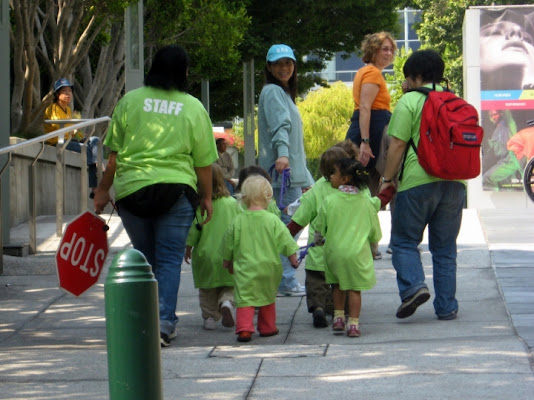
<point x="60" y="109"/>
<point x="281" y="139"/>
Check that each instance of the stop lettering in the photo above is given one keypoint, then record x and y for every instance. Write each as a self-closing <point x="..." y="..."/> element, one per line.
<point x="82" y="253"/>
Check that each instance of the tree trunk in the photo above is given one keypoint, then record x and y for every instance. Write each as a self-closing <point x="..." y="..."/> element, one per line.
<point x="51" y="40"/>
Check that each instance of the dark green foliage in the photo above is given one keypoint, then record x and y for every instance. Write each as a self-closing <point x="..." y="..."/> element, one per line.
<point x="321" y="28"/>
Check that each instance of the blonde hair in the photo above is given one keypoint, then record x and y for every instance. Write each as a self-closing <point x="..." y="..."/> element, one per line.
<point x="373" y="42"/>
<point x="256" y="191"/>
<point x="219" y="188"/>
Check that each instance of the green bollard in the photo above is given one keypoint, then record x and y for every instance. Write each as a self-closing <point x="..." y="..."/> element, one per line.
<point x="132" y="328"/>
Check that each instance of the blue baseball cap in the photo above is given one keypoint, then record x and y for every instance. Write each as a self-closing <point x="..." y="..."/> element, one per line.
<point x="62" y="83"/>
<point x="278" y="51"/>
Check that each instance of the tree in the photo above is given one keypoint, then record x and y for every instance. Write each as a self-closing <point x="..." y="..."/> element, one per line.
<point x="210" y="30"/>
<point x="326" y="114"/>
<point x="51" y="39"/>
<point x="83" y="40"/>
<point x="395" y="80"/>
<point x="316" y="30"/>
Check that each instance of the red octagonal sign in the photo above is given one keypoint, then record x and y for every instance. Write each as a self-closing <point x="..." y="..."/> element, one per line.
<point x="82" y="253"/>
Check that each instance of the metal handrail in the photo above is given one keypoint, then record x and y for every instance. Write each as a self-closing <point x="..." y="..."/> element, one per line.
<point x="57" y="133"/>
<point x="60" y="169"/>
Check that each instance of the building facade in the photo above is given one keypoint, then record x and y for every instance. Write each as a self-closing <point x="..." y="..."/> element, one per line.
<point x="344" y="69"/>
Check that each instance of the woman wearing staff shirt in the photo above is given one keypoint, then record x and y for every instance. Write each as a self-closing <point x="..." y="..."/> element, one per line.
<point x="162" y="147"/>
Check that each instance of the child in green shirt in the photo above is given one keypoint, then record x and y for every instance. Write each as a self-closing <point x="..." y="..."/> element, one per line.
<point x="251" y="251"/>
<point x="215" y="285"/>
<point x="318" y="292"/>
<point x="348" y="221"/>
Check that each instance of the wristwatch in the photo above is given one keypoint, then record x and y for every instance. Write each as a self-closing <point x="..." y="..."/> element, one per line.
<point x="384" y="180"/>
<point x="365" y="140"/>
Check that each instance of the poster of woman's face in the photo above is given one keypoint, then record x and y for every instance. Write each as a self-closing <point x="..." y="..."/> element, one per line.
<point x="507" y="97"/>
<point x="505" y="45"/>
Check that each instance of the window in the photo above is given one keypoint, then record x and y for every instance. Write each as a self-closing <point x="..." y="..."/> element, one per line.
<point x="344" y="70"/>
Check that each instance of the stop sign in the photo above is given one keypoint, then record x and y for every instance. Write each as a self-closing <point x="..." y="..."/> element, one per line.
<point x="82" y="253"/>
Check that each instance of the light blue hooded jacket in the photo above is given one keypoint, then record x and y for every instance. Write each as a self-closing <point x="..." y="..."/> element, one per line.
<point x="280" y="134"/>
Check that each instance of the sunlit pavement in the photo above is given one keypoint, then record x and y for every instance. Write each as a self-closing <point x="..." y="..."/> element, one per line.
<point x="53" y="345"/>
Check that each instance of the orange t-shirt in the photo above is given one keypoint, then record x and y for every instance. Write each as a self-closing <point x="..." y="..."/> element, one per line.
<point x="370" y="74"/>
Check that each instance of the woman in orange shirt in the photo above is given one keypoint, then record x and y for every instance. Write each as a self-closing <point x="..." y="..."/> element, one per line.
<point x="371" y="105"/>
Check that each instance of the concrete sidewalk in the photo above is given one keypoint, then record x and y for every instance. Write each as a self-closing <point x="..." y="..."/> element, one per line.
<point x="53" y="345"/>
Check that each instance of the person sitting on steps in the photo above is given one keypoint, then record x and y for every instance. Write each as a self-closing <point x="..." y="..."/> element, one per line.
<point x="60" y="109"/>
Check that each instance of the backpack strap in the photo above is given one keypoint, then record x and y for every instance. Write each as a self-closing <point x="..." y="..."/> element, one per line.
<point x="421" y="89"/>
<point x="412" y="144"/>
<point x="425" y="91"/>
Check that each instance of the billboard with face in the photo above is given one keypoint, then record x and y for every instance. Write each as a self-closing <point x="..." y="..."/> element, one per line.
<point x="507" y="93"/>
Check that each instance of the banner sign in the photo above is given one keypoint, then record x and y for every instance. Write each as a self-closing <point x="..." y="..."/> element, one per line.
<point x="507" y="93"/>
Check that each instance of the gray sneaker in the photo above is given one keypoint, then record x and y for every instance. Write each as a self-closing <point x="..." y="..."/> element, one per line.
<point x="209" y="324"/>
<point x="227" y="311"/>
<point x="448" y="317"/>
<point x="294" y="291"/>
<point x="165" y="339"/>
<point x="408" y="306"/>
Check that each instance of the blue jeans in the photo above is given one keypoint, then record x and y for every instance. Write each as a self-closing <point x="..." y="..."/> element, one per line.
<point x="379" y="119"/>
<point x="438" y="205"/>
<point x="230" y="187"/>
<point x="162" y="241"/>
<point x="92" y="148"/>
<point x="288" y="275"/>
<point x="92" y="155"/>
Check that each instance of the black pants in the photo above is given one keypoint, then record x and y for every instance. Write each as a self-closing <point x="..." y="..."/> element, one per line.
<point x="318" y="292"/>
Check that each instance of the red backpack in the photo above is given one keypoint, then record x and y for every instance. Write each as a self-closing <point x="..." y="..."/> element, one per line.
<point x="450" y="136"/>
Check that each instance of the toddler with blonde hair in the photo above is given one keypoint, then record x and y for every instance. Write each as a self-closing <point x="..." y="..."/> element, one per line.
<point x="251" y="251"/>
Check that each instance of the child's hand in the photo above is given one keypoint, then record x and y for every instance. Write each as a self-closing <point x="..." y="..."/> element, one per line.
<point x="387" y="191"/>
<point x="187" y="255"/>
<point x="229" y="265"/>
<point x="318" y="239"/>
<point x="294" y="260"/>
